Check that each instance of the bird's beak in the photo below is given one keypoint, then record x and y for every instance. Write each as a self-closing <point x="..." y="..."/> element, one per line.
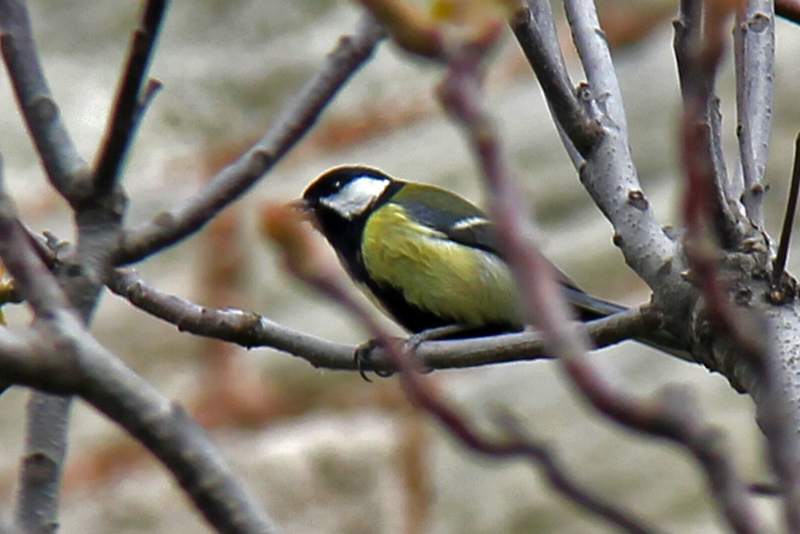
<point x="300" y="205"/>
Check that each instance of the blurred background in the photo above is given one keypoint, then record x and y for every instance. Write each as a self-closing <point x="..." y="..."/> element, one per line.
<point x="325" y="451"/>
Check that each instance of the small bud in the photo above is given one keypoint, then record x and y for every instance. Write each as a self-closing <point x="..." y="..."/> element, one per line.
<point x="637" y="199"/>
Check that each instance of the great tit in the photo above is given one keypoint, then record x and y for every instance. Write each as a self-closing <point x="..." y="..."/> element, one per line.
<point x="427" y="255"/>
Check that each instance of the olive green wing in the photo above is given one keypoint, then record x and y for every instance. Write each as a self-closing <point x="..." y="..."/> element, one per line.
<point x="457" y="218"/>
<point x="449" y="214"/>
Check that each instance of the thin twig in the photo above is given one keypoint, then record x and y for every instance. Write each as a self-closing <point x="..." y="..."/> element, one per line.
<point x="609" y="175"/>
<point x="246" y="329"/>
<point x="252" y="330"/>
<point x="45" y="452"/>
<point x="63" y="164"/>
<point x="741" y="324"/>
<point x="779" y="264"/>
<point x="696" y="74"/>
<point x="47" y="415"/>
<point x="234" y="180"/>
<point x="534" y="28"/>
<point x="151" y="89"/>
<point x="62" y="357"/>
<point x="687" y="32"/>
<point x="596" y="60"/>
<point x="127" y="107"/>
<point x="754" y="42"/>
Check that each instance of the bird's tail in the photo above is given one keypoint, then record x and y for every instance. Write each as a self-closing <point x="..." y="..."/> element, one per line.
<point x="590" y="308"/>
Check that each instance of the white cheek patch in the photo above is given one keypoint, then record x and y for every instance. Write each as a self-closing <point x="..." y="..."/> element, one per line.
<point x="470" y="222"/>
<point x="354" y="198"/>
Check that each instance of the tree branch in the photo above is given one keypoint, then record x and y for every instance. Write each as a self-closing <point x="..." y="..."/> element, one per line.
<point x="783" y="291"/>
<point x="696" y="74"/>
<point x="610" y="178"/>
<point x="42" y="463"/>
<point x="128" y="105"/>
<point x="62" y="357"/>
<point x="607" y="171"/>
<point x="596" y="60"/>
<point x="675" y="417"/>
<point x="63" y="164"/>
<point x="743" y="342"/>
<point x="234" y="180"/>
<point x="97" y="217"/>
<point x="754" y="44"/>
<point x="252" y="330"/>
<point x="535" y="30"/>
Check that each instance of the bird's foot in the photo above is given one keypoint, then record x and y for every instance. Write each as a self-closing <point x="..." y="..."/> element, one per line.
<point x="432" y="334"/>
<point x="363" y="356"/>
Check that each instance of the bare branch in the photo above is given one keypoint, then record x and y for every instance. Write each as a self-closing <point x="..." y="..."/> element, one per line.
<point x="64" y="358"/>
<point x="41" y="469"/>
<point x="97" y="217"/>
<point x="687" y="33"/>
<point x="246" y="329"/>
<point x="535" y="30"/>
<point x="673" y="414"/>
<point x="595" y="55"/>
<point x="754" y="43"/>
<point x="45" y="446"/>
<point x="675" y="417"/>
<point x="610" y="178"/>
<point x="702" y="210"/>
<point x="130" y="99"/>
<point x="697" y="74"/>
<point x="234" y="180"/>
<point x="609" y="174"/>
<point x="253" y="330"/>
<point x="63" y="164"/>
<point x="742" y="327"/>
<point x="779" y="294"/>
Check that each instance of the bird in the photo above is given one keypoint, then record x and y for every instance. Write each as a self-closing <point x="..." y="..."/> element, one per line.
<point x="427" y="256"/>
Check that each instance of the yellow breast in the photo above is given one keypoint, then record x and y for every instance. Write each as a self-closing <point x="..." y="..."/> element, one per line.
<point x="436" y="274"/>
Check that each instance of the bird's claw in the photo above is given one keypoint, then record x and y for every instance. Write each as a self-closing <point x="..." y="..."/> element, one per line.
<point x="362" y="357"/>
